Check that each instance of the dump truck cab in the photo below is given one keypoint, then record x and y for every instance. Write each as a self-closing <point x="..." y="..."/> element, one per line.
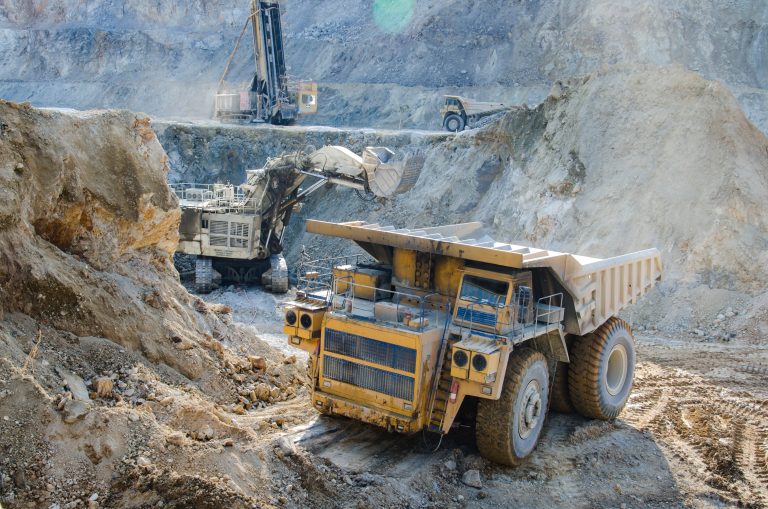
<point x="442" y="314"/>
<point x="453" y="115"/>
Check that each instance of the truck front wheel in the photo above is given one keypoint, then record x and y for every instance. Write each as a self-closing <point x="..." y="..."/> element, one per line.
<point x="602" y="370"/>
<point x="508" y="429"/>
<point x="454" y="123"/>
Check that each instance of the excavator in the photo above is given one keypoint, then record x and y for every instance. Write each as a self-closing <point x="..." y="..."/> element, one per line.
<point x="271" y="97"/>
<point x="236" y="232"/>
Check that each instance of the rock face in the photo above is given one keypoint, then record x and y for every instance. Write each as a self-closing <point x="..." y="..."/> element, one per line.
<point x="88" y="223"/>
<point x="166" y="57"/>
<point x="222" y="153"/>
<point x="678" y="167"/>
<point x="616" y="161"/>
<point x="88" y="291"/>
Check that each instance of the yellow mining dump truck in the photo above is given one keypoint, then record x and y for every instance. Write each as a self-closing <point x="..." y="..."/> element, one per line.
<point x="447" y="314"/>
<point x="460" y="112"/>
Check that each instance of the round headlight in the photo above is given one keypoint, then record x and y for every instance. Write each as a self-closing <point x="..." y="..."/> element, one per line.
<point x="306" y="321"/>
<point x="479" y="362"/>
<point x="460" y="358"/>
<point x="290" y="317"/>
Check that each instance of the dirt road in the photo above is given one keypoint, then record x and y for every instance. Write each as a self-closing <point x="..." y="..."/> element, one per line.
<point x="694" y="433"/>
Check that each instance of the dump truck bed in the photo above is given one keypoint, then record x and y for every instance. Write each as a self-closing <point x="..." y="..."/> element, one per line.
<point x="472" y="107"/>
<point x="598" y="288"/>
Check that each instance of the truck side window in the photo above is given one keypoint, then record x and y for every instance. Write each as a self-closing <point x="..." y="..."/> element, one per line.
<point x="484" y="291"/>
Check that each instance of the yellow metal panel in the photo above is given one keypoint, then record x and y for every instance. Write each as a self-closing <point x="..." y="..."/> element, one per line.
<point x="424" y="344"/>
<point x="308" y="345"/>
<point x="492" y="367"/>
<point x="338" y="405"/>
<point x="374" y="331"/>
<point x="448" y="275"/>
<point x="307" y="334"/>
<point x="404" y="267"/>
<point x="315" y="318"/>
<point x="368" y="280"/>
<point x="457" y="372"/>
<point x="443" y="241"/>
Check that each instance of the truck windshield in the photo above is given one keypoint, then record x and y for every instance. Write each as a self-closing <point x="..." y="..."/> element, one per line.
<point x="484" y="291"/>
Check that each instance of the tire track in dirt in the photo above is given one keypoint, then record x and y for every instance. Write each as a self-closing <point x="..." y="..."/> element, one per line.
<point x="719" y="433"/>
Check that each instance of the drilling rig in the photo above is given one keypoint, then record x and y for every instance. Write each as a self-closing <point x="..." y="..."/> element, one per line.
<point x="236" y="232"/>
<point x="271" y="96"/>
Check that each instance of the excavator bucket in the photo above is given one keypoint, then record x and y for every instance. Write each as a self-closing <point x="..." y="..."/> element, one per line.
<point x="391" y="177"/>
<point x="383" y="175"/>
<point x="411" y="171"/>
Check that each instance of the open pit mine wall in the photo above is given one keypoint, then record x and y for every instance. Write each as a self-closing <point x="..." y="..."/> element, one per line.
<point x="88" y="228"/>
<point x="588" y="171"/>
<point x="214" y="152"/>
<point x="375" y="68"/>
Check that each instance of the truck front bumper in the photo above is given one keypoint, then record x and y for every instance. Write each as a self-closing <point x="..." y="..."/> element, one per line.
<point x="336" y="405"/>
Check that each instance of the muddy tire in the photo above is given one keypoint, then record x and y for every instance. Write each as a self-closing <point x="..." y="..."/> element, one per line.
<point x="508" y="429"/>
<point x="602" y="370"/>
<point x="561" y="397"/>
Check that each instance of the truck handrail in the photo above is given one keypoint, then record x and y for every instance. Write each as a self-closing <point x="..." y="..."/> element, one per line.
<point x="323" y="267"/>
<point x="427" y="315"/>
<point x="230" y="197"/>
<point x="514" y="326"/>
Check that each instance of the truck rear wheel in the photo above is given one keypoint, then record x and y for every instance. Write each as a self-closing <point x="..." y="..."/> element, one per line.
<point x="454" y="123"/>
<point x="508" y="429"/>
<point x="602" y="370"/>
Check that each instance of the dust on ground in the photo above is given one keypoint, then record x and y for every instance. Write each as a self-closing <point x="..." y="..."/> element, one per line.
<point x="693" y="433"/>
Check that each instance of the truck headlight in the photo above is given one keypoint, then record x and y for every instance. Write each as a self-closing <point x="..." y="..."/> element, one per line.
<point x="460" y="358"/>
<point x="306" y="321"/>
<point x="479" y="362"/>
<point x="290" y="317"/>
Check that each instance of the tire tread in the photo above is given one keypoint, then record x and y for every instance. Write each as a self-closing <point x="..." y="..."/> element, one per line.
<point x="494" y="417"/>
<point x="584" y="371"/>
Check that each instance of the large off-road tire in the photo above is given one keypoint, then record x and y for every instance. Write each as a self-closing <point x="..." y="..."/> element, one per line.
<point x="602" y="370"/>
<point x="508" y="429"/>
<point x="454" y="123"/>
<point x="561" y="397"/>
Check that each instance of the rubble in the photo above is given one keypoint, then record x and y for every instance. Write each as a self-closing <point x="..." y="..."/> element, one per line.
<point x="85" y="266"/>
<point x="185" y="407"/>
<point x="102" y="386"/>
<point x="74" y="410"/>
<point x="472" y="478"/>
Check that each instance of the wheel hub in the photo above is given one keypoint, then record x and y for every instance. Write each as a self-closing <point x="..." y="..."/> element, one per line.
<point x="531" y="409"/>
<point x="616" y="371"/>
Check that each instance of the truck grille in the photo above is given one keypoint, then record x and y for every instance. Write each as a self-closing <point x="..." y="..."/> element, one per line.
<point x="476" y="317"/>
<point x="370" y="350"/>
<point x="385" y="382"/>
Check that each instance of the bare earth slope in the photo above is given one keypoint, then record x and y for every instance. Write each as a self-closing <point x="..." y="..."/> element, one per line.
<point x="109" y="369"/>
<point x="194" y="419"/>
<point x="383" y="63"/>
<point x="678" y="167"/>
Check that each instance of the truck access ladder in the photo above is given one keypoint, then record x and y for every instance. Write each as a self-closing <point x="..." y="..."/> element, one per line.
<point x="441" y="388"/>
